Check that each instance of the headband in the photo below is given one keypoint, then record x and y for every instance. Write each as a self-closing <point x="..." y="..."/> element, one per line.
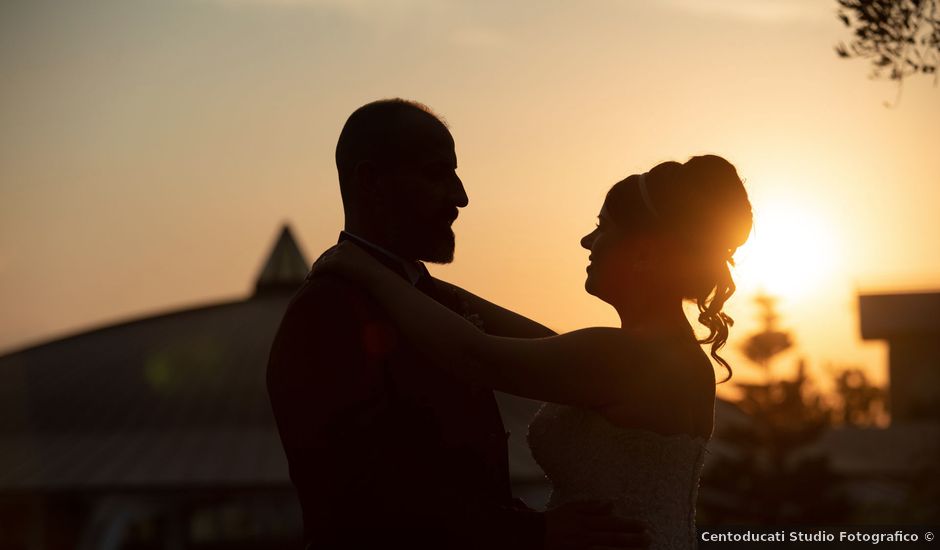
<point x="644" y="192"/>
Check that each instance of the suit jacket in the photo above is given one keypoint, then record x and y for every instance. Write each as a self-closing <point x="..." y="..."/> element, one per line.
<point x="386" y="450"/>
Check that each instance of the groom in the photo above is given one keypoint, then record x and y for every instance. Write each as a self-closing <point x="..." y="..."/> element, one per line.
<point x="385" y="450"/>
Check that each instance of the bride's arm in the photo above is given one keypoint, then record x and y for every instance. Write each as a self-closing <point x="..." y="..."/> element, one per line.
<point x="583" y="368"/>
<point x="498" y="320"/>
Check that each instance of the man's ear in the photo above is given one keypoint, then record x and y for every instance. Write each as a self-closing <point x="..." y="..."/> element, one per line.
<point x="368" y="178"/>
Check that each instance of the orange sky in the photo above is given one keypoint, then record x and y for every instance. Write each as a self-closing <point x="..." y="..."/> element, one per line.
<point x="149" y="151"/>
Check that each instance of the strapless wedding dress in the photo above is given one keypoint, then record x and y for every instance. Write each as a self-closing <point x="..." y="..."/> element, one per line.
<point x="649" y="476"/>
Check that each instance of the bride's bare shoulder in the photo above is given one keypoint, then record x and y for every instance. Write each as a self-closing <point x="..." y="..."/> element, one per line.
<point x="672" y="390"/>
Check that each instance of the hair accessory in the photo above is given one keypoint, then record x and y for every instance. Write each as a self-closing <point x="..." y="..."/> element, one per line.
<point x="646" y="197"/>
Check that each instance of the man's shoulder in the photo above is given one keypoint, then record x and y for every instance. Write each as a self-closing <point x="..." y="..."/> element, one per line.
<point x="325" y="317"/>
<point x="327" y="285"/>
<point x="329" y="294"/>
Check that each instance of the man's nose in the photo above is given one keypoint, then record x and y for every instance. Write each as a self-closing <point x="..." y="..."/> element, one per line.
<point x="460" y="194"/>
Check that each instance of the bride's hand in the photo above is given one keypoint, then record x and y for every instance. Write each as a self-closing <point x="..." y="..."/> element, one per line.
<point x="348" y="261"/>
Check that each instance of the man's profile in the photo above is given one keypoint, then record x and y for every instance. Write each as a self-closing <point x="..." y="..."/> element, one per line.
<point x="385" y="449"/>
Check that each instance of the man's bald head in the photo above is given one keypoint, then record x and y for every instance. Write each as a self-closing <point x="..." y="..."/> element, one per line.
<point x="397" y="174"/>
<point x="383" y="132"/>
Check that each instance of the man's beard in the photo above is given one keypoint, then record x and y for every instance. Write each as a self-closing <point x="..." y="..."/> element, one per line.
<point x="436" y="246"/>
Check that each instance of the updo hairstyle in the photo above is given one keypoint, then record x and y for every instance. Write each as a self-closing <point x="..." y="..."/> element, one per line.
<point x="703" y="208"/>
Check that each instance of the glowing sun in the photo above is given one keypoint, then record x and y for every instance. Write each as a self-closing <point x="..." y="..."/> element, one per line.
<point x="790" y="252"/>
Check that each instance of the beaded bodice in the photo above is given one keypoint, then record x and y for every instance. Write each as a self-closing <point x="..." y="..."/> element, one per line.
<point x="649" y="476"/>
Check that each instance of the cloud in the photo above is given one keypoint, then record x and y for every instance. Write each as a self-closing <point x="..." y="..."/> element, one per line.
<point x="359" y="7"/>
<point x="766" y="11"/>
<point x="454" y="21"/>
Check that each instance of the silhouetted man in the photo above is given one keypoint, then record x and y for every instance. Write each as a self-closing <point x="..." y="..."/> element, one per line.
<point x="385" y="450"/>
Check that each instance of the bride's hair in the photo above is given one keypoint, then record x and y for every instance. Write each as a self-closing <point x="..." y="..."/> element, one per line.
<point x="703" y="206"/>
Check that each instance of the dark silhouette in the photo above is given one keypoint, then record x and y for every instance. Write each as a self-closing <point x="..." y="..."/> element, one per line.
<point x="630" y="408"/>
<point x="385" y="450"/>
<point x="900" y="37"/>
<point x="860" y="403"/>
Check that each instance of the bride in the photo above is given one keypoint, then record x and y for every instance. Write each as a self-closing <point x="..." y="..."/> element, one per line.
<point x="630" y="409"/>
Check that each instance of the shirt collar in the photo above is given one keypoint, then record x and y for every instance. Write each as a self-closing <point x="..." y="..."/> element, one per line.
<point x="412" y="270"/>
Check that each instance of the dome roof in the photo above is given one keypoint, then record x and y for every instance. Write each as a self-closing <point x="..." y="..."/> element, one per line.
<point x="177" y="398"/>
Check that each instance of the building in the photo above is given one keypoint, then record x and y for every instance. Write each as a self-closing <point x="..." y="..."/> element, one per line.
<point x="910" y="324"/>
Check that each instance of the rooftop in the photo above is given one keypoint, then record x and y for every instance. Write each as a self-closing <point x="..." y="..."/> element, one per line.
<point x="888" y="315"/>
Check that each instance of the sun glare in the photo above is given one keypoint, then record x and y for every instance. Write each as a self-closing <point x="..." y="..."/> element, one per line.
<point x="790" y="253"/>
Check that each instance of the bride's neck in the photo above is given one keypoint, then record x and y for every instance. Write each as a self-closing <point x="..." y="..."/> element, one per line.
<point x="650" y="317"/>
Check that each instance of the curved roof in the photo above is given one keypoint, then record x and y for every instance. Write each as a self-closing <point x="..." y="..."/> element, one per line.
<point x="177" y="399"/>
<point x="201" y="367"/>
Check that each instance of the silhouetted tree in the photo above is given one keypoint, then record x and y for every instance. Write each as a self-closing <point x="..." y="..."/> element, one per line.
<point x="769" y="476"/>
<point x="763" y="346"/>
<point x="900" y="37"/>
<point x="860" y="403"/>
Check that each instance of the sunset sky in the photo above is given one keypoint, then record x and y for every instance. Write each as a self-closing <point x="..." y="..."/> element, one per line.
<point x="150" y="151"/>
